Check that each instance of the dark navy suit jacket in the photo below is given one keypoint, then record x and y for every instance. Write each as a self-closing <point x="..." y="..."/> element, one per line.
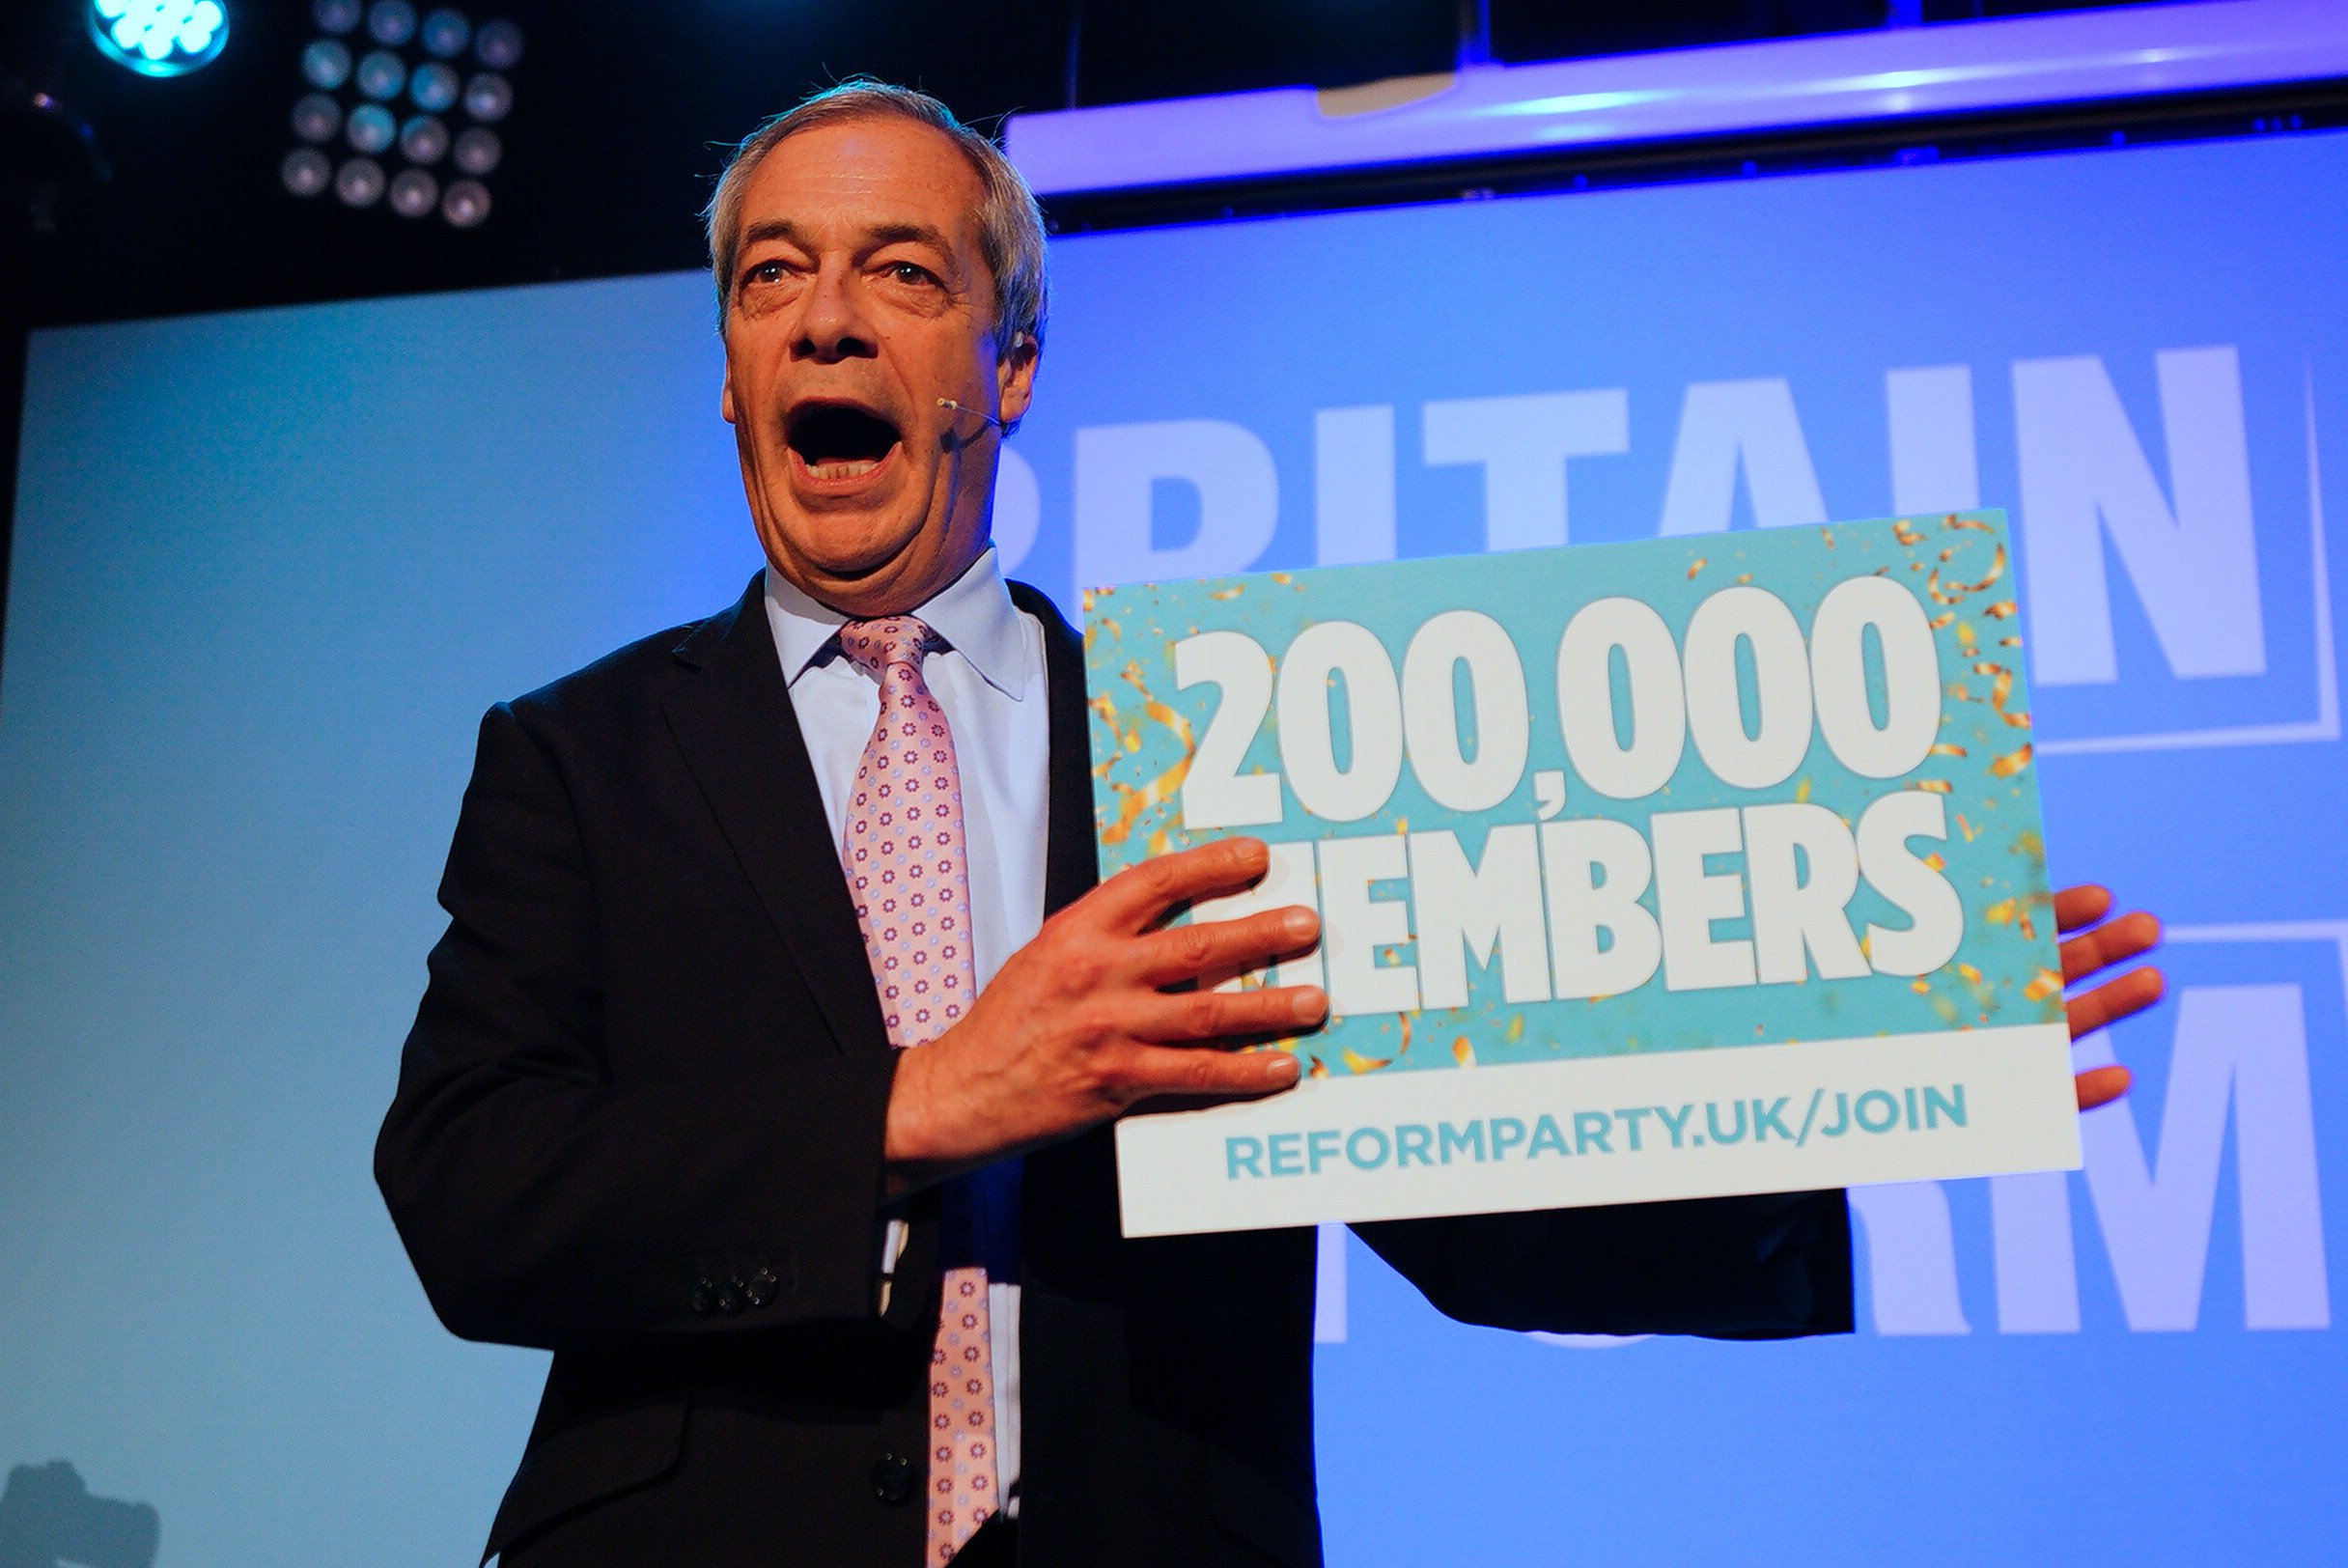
<point x="639" y="1123"/>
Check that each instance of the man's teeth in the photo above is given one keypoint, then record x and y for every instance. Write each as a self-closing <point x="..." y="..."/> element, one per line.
<point x="844" y="468"/>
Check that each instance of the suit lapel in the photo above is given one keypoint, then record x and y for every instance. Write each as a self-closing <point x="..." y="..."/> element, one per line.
<point x="730" y="711"/>
<point x="1072" y="861"/>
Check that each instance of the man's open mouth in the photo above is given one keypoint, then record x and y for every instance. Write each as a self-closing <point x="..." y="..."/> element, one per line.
<point x="838" y="440"/>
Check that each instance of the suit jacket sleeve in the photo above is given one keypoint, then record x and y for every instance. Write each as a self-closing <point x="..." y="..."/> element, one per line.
<point x="546" y="1201"/>
<point x="1771" y="1266"/>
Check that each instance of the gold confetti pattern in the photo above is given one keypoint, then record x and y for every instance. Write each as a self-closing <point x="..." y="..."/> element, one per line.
<point x="1131" y="801"/>
<point x="1954" y="592"/>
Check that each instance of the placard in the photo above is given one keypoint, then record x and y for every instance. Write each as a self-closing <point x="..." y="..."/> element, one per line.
<point x="1680" y="867"/>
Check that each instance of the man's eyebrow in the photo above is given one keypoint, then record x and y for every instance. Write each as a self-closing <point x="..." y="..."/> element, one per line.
<point x="782" y="229"/>
<point x="874" y="237"/>
<point x="900" y="233"/>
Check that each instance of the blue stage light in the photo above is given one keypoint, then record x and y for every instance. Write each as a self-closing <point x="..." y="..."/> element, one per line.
<point x="488" y="96"/>
<point x="375" y="57"/>
<point x="382" y="75"/>
<point x="372" y="127"/>
<point x="499" y="45"/>
<point x="423" y="140"/>
<point x="316" y="117"/>
<point x="435" y="87"/>
<point x="159" y="37"/>
<point x="391" y="22"/>
<point x="446" y="33"/>
<point x="325" y="64"/>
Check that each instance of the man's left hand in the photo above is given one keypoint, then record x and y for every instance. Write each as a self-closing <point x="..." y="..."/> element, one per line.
<point x="2091" y="948"/>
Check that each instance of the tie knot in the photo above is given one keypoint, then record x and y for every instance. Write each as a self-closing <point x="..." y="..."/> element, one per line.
<point x="873" y="646"/>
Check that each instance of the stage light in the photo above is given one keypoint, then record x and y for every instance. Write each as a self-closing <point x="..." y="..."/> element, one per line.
<point x="423" y="140"/>
<point x="500" y="45"/>
<point x="359" y="182"/>
<point x="488" y="96"/>
<point x="382" y="75"/>
<point x="477" y="150"/>
<point x="435" y="87"/>
<point x="370" y="129"/>
<point x="317" y="117"/>
<point x="159" y="37"/>
<point x="446" y="33"/>
<point x="391" y="22"/>
<point x="466" y="204"/>
<point x="368" y="59"/>
<point x="414" y="193"/>
<point x="306" y="172"/>
<point x="325" y="64"/>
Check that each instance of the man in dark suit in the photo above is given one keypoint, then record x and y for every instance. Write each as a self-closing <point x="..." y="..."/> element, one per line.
<point x="650" y="1117"/>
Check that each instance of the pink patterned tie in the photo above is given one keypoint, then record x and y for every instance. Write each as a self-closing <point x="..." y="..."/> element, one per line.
<point x="907" y="869"/>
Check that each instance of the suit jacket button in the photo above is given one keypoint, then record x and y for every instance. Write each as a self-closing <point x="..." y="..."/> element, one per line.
<point x="893" y="1479"/>
<point x="704" y="1297"/>
<point x="762" y="1287"/>
<point x="730" y="1296"/>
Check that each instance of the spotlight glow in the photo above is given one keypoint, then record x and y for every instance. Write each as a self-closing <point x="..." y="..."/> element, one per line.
<point x="325" y="64"/>
<point x="446" y="33"/>
<point x="391" y="22"/>
<point x="372" y="127"/>
<point x="414" y="193"/>
<point x="423" y="140"/>
<point x="466" y="205"/>
<point x="159" y="37"/>
<point x="317" y="117"/>
<point x="306" y="172"/>
<point x="488" y="96"/>
<point x="435" y="87"/>
<point x="382" y="75"/>
<point x="375" y="59"/>
<point x="477" y="150"/>
<point x="359" y="182"/>
<point x="499" y="43"/>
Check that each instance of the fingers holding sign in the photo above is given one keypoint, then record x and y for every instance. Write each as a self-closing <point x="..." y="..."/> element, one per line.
<point x="2092" y="945"/>
<point x="1102" y="1010"/>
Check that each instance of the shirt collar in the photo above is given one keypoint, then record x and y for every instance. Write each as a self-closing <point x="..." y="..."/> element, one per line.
<point x="974" y="615"/>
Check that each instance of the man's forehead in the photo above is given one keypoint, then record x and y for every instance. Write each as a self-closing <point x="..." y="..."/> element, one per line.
<point x="869" y="172"/>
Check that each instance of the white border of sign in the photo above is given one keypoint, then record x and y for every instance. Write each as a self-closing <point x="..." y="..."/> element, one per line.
<point x="1175" y="1172"/>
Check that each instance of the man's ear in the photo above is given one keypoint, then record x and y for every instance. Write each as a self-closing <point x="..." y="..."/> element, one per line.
<point x="725" y="396"/>
<point x="1014" y="376"/>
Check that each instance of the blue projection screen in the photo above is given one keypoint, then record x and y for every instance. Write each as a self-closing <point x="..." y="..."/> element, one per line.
<point x="268" y="568"/>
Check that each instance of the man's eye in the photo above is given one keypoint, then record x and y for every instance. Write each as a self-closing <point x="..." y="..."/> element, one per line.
<point x="767" y="272"/>
<point x="910" y="272"/>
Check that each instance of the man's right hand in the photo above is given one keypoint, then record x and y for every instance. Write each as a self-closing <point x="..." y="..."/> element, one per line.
<point x="1079" y="1025"/>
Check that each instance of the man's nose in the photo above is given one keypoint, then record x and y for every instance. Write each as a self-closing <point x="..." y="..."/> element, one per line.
<point x="832" y="324"/>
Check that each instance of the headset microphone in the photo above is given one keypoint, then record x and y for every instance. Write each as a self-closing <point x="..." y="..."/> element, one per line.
<point x="964" y="409"/>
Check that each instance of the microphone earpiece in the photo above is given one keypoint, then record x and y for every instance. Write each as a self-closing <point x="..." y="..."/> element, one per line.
<point x="964" y="409"/>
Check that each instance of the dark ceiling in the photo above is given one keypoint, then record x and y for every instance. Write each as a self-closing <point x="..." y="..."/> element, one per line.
<point x="174" y="203"/>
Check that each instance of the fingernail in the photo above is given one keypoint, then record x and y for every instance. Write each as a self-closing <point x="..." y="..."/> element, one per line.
<point x="1309" y="1004"/>
<point x="1284" y="1067"/>
<point x="1300" y="922"/>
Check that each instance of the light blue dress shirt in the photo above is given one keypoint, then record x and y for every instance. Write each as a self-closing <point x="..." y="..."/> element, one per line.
<point x="990" y="679"/>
